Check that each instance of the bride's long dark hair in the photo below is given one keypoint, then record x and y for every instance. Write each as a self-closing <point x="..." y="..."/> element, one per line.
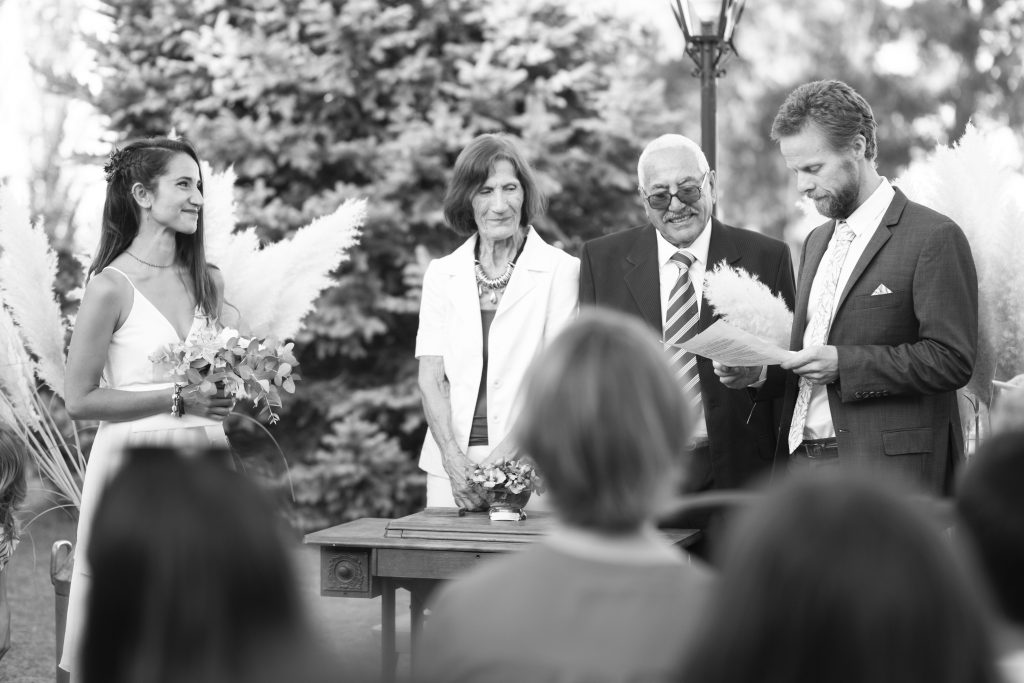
<point x="143" y="161"/>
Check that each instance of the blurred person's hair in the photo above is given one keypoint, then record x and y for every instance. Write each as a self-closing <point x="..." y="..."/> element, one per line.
<point x="835" y="109"/>
<point x="606" y="422"/>
<point x="990" y="503"/>
<point x="472" y="168"/>
<point x="191" y="580"/>
<point x="842" y="579"/>
<point x="144" y="161"/>
<point x="13" y="485"/>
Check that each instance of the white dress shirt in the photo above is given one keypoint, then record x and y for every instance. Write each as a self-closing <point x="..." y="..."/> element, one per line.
<point x="864" y="221"/>
<point x="668" y="271"/>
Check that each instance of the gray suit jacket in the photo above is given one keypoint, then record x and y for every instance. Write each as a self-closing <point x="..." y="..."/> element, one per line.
<point x="902" y="355"/>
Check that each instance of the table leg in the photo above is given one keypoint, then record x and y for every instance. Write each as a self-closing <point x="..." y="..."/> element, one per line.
<point x="388" y="652"/>
<point x="417" y="603"/>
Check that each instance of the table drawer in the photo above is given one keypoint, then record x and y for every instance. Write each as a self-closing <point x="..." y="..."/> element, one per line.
<point x="346" y="573"/>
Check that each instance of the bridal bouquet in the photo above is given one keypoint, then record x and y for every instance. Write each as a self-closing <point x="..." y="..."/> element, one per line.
<point x="256" y="368"/>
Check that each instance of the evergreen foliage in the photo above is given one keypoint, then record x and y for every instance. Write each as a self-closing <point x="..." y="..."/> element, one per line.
<point x="316" y="102"/>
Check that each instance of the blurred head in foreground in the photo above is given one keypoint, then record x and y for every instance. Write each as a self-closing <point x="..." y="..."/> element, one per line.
<point x="833" y="580"/>
<point x="605" y="421"/>
<point x="990" y="502"/>
<point x="13" y="487"/>
<point x="191" y="579"/>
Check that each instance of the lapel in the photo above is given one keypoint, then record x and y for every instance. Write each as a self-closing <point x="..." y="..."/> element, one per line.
<point x="533" y="262"/>
<point x="722" y="248"/>
<point x="814" y="250"/>
<point x="642" y="277"/>
<point x="462" y="291"/>
<point x="880" y="237"/>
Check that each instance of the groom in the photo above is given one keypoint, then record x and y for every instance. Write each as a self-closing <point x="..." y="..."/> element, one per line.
<point x="886" y="323"/>
<point x="638" y="271"/>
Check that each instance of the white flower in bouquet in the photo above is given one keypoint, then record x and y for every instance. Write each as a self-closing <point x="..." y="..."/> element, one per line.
<point x="743" y="301"/>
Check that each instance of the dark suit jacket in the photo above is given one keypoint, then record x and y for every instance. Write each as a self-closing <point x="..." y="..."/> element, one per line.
<point x="902" y="355"/>
<point x="620" y="271"/>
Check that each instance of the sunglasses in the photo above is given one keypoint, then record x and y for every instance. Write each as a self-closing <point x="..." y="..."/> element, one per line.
<point x="688" y="194"/>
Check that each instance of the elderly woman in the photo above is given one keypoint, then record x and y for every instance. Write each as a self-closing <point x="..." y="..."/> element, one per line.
<point x="487" y="308"/>
<point x="604" y="597"/>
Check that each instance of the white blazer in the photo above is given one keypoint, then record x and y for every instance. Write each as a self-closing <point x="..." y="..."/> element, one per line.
<point x="541" y="297"/>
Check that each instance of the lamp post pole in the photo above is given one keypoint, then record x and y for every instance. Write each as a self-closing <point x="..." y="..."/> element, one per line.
<point x="708" y="27"/>
<point x="708" y="100"/>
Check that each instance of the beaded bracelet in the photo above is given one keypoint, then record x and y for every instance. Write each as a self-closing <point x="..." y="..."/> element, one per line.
<point x="177" y="407"/>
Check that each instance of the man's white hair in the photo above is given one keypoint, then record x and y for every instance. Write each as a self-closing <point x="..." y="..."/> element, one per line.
<point x="670" y="141"/>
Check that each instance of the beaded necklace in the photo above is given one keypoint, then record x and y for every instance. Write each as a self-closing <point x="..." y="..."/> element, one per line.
<point x="494" y="284"/>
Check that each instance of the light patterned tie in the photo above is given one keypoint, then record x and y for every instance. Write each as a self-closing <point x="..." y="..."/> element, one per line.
<point x="681" y="324"/>
<point x="820" y="323"/>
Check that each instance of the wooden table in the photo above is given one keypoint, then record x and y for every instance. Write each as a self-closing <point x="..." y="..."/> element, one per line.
<point x="371" y="557"/>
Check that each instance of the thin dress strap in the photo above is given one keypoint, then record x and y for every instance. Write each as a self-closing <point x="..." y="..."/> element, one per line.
<point x="121" y="272"/>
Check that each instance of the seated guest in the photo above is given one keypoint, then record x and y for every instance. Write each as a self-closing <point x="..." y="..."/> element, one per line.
<point x="605" y="597"/>
<point x="191" y="581"/>
<point x="12" y="494"/>
<point x="841" y="580"/>
<point x="990" y="502"/>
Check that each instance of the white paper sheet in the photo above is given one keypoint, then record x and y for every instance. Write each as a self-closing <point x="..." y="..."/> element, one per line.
<point x="730" y="345"/>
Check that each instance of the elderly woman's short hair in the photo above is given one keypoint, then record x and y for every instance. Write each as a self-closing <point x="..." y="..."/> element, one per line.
<point x="606" y="422"/>
<point x="472" y="168"/>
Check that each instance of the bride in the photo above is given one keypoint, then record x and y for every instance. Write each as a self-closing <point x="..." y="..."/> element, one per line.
<point x="148" y="286"/>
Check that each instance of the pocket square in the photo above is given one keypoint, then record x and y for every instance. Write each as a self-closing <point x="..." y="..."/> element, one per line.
<point x="881" y="289"/>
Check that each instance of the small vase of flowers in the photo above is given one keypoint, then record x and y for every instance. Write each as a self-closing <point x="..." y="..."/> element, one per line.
<point x="507" y="487"/>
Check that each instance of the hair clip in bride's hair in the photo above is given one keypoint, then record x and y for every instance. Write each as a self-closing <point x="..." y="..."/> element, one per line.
<point x="115" y="163"/>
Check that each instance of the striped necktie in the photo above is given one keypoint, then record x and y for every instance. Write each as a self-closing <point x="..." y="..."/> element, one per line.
<point x="681" y="324"/>
<point x="820" y="323"/>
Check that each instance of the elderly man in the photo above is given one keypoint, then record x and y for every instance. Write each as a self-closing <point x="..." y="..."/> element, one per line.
<point x="656" y="272"/>
<point x="886" y="323"/>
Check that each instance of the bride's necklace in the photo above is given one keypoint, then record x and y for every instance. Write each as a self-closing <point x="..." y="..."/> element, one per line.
<point x="493" y="284"/>
<point x="147" y="263"/>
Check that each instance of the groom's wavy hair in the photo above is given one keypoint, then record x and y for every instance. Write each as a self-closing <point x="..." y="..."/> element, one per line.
<point x="143" y="161"/>
<point x="472" y="168"/>
<point x="836" y="109"/>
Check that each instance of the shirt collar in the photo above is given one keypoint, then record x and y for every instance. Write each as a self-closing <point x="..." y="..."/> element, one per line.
<point x="699" y="248"/>
<point x="868" y="215"/>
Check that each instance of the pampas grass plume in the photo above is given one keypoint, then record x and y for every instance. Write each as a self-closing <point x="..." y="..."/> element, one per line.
<point x="745" y="302"/>
<point x="28" y="269"/>
<point x="283" y="280"/>
<point x="975" y="183"/>
<point x="16" y="374"/>
<point x="274" y="287"/>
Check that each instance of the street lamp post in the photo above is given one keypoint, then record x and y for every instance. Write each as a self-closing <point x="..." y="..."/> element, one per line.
<point x="708" y="27"/>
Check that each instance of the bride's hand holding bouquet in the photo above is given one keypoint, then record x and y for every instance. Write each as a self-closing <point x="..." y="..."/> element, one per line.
<point x="218" y="366"/>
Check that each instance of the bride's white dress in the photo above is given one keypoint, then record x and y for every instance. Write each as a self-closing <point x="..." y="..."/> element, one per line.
<point x="128" y="368"/>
